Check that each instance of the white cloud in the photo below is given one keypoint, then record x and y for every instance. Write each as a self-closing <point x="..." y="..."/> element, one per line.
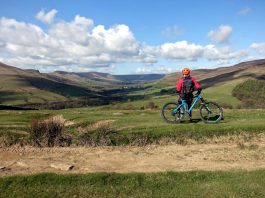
<point x="154" y="70"/>
<point x="83" y="21"/>
<point x="211" y="52"/>
<point x="69" y="43"/>
<point x="81" y="44"/>
<point x="184" y="51"/>
<point x="181" y="50"/>
<point x="75" y="31"/>
<point x="244" y="11"/>
<point x="259" y="47"/>
<point x="46" y="17"/>
<point x="118" y="39"/>
<point x="221" y="34"/>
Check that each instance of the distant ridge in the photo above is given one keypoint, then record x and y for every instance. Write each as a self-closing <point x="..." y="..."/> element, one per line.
<point x="18" y="86"/>
<point x="105" y="77"/>
<point x="253" y="69"/>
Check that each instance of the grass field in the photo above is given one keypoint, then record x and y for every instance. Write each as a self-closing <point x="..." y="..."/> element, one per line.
<point x="136" y="123"/>
<point x="168" y="184"/>
<point x="133" y="123"/>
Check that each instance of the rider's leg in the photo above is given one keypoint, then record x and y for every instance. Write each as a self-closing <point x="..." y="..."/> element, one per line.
<point x="179" y="101"/>
<point x="189" y="102"/>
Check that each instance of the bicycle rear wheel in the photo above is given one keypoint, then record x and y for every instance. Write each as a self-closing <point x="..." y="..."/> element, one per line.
<point x="169" y="115"/>
<point x="211" y="112"/>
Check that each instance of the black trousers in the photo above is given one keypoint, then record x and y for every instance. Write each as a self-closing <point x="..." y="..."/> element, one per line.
<point x="188" y="99"/>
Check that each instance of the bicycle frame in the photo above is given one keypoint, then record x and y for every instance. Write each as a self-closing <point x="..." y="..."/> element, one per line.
<point x="183" y="103"/>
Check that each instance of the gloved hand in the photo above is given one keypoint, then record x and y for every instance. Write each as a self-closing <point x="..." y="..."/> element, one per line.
<point x="199" y="91"/>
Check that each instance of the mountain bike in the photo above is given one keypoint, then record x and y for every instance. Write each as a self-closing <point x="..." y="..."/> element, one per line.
<point x="174" y="113"/>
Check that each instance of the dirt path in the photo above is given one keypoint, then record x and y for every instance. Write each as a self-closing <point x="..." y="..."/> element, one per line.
<point x="154" y="158"/>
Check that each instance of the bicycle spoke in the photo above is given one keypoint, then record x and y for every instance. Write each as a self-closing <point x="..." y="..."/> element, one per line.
<point x="171" y="113"/>
<point x="211" y="112"/>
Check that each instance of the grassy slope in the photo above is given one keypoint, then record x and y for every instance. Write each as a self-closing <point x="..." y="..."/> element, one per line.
<point x="169" y="184"/>
<point x="16" y="90"/>
<point x="84" y="82"/>
<point x="222" y="93"/>
<point x="217" y="83"/>
<point x="251" y="89"/>
<point x="19" y="86"/>
<point x="137" y="123"/>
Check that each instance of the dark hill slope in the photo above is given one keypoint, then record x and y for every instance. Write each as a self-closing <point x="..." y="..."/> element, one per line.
<point x="211" y="77"/>
<point x="19" y="86"/>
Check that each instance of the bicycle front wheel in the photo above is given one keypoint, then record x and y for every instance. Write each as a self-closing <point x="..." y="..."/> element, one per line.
<point x="170" y="114"/>
<point x="211" y="112"/>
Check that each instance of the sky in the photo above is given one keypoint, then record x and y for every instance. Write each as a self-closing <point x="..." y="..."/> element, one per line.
<point x="130" y="36"/>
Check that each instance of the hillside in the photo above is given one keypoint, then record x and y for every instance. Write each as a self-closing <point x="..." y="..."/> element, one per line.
<point x="218" y="83"/>
<point x="209" y="77"/>
<point x="105" y="80"/>
<point x="251" y="93"/>
<point x="19" y="86"/>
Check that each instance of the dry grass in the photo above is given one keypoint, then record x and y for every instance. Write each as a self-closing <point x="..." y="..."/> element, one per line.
<point x="11" y="140"/>
<point x="100" y="133"/>
<point x="4" y="141"/>
<point x="48" y="132"/>
<point x="99" y="125"/>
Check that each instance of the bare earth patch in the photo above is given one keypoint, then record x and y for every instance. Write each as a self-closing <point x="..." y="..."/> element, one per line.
<point x="154" y="158"/>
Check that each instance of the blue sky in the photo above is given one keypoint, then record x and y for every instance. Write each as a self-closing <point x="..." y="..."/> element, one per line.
<point x="130" y="36"/>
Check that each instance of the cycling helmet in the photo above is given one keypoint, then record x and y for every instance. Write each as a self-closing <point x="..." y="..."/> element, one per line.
<point x="186" y="71"/>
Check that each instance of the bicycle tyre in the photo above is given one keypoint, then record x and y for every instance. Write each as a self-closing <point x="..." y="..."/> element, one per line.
<point x="167" y="113"/>
<point x="209" y="117"/>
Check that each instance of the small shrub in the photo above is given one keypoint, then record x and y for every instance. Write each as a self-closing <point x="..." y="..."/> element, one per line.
<point x="150" y="105"/>
<point x="7" y="140"/>
<point x="48" y="132"/>
<point x="239" y="106"/>
<point x="100" y="133"/>
<point x="140" y="140"/>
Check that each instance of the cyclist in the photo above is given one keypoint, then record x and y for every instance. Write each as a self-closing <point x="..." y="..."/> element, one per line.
<point x="185" y="87"/>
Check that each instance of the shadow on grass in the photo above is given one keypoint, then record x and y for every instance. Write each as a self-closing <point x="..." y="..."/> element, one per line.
<point x="192" y="121"/>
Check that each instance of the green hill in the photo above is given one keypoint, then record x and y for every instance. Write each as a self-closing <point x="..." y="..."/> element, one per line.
<point x="251" y="93"/>
<point x="19" y="86"/>
<point x="99" y="80"/>
<point x="218" y="83"/>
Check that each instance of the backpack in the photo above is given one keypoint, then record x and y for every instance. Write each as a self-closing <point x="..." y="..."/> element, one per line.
<point x="188" y="86"/>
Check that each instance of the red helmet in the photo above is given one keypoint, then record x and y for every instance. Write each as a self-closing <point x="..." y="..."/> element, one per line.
<point x="186" y="71"/>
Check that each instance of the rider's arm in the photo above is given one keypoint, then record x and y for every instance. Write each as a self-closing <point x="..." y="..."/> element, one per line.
<point x="196" y="84"/>
<point x="179" y="85"/>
